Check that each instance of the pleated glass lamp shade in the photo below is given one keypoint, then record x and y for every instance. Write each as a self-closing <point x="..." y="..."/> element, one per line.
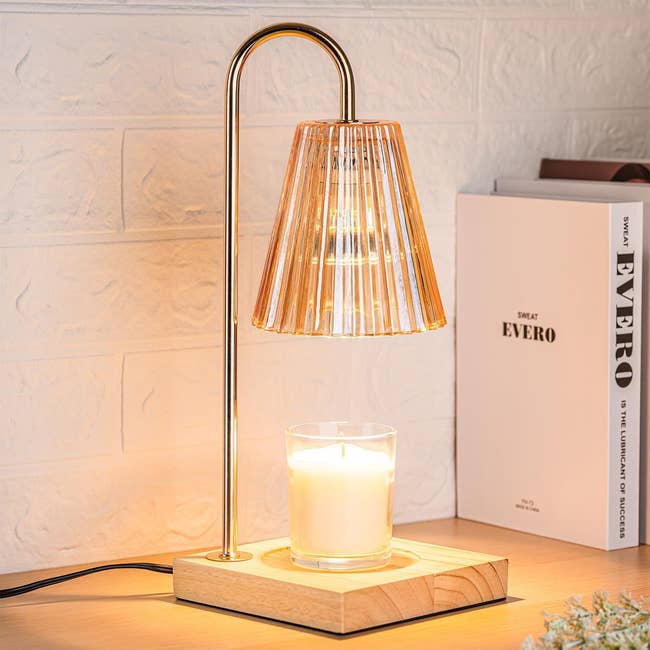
<point x="348" y="255"/>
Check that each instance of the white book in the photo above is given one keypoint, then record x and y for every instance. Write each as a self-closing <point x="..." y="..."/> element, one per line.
<point x="548" y="366"/>
<point x="616" y="192"/>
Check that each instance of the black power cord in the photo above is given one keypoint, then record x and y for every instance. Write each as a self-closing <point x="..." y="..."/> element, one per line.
<point x="39" y="584"/>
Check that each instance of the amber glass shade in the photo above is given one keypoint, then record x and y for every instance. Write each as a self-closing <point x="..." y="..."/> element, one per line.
<point x="348" y="255"/>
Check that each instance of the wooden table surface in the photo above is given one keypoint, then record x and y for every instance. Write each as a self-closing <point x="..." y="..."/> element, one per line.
<point x="136" y="609"/>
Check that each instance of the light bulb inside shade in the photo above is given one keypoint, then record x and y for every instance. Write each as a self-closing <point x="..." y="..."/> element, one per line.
<point x="348" y="255"/>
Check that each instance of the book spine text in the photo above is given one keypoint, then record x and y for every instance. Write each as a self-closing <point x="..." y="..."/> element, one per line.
<point x="626" y="225"/>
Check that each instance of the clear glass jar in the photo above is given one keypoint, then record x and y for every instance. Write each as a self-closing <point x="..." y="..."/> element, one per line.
<point x="341" y="477"/>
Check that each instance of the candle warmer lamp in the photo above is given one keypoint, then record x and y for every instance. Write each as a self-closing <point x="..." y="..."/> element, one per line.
<point x="348" y="257"/>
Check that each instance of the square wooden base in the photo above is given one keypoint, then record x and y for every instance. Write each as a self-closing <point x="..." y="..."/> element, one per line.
<point x="421" y="579"/>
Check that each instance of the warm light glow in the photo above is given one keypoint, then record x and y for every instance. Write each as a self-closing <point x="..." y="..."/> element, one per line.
<point x="348" y="255"/>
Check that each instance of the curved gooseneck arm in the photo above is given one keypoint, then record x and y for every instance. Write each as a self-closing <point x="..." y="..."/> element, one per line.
<point x="228" y="550"/>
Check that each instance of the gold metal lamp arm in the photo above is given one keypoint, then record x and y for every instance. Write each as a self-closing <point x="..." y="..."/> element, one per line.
<point x="228" y="550"/>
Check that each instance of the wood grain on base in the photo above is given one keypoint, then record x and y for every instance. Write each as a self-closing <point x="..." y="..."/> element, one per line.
<point x="421" y="579"/>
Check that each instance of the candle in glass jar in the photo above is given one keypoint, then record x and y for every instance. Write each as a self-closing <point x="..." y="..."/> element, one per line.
<point x="340" y="500"/>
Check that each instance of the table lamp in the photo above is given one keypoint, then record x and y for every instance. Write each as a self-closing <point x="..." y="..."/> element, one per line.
<point x="348" y="257"/>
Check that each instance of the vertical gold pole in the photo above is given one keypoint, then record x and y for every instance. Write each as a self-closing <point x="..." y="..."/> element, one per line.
<point x="228" y="551"/>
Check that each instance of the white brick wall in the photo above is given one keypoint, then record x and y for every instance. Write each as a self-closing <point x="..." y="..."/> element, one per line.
<point x="110" y="240"/>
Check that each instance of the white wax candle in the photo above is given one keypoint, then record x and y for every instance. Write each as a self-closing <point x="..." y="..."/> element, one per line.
<point x="340" y="500"/>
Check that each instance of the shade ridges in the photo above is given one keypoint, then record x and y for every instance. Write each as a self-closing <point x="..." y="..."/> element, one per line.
<point x="348" y="254"/>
